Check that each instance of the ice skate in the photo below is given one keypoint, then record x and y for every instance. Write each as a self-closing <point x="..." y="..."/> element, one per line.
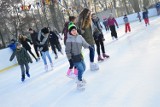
<point x="70" y="74"/>
<point x="46" y="67"/>
<point x="75" y="71"/>
<point x="94" y="66"/>
<point x="56" y="56"/>
<point x="100" y="58"/>
<point x="105" y="55"/>
<point x="28" y="75"/>
<point x="80" y="85"/>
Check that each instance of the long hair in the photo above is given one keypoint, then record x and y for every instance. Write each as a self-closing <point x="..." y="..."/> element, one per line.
<point x="22" y="38"/>
<point x="84" y="20"/>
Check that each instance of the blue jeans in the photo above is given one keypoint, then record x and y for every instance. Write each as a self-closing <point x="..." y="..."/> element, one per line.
<point x="44" y="54"/>
<point x="81" y="68"/>
<point x="92" y="53"/>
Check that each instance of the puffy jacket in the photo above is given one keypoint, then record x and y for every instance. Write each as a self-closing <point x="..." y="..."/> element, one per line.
<point x="74" y="45"/>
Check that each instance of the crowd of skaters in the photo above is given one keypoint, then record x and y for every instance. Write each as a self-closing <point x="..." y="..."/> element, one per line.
<point x="82" y="31"/>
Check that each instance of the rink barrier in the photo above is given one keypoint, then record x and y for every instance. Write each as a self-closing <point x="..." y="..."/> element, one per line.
<point x="8" y="68"/>
<point x="5" y="64"/>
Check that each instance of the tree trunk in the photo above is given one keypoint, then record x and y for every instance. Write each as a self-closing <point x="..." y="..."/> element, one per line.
<point x="3" y="42"/>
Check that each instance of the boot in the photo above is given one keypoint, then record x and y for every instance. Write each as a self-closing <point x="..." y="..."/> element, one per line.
<point x="46" y="67"/>
<point x="94" y="66"/>
<point x="105" y="56"/>
<point x="28" y="75"/>
<point x="69" y="71"/>
<point x="100" y="58"/>
<point x="56" y="56"/>
<point x="52" y="65"/>
<point x="23" y="78"/>
<point x="75" y="71"/>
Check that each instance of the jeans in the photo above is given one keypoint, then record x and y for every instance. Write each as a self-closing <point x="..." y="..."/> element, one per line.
<point x="23" y="69"/>
<point x="81" y="68"/>
<point x="44" y="54"/>
<point x="92" y="53"/>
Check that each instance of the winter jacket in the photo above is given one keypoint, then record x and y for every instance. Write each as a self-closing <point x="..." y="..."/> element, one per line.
<point x="53" y="38"/>
<point x="126" y="19"/>
<point x="25" y="43"/>
<point x="145" y="15"/>
<point x="74" y="45"/>
<point x="43" y="42"/>
<point x="12" y="46"/>
<point x="22" y="56"/>
<point x="112" y="21"/>
<point x="34" y="37"/>
<point x="105" y="23"/>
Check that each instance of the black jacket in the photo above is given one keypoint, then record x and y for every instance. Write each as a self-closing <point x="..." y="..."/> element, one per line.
<point x="25" y="43"/>
<point x="53" y="38"/>
<point x="34" y="37"/>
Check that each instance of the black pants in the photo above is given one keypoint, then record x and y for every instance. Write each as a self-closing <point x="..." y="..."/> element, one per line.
<point x="99" y="43"/>
<point x="113" y="31"/>
<point x="32" y="54"/>
<point x="36" y="50"/>
<point x="54" y="46"/>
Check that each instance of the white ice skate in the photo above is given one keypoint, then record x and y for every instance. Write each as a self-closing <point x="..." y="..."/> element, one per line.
<point x="94" y="66"/>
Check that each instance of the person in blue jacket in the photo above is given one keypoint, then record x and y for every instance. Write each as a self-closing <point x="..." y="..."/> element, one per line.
<point x="12" y="45"/>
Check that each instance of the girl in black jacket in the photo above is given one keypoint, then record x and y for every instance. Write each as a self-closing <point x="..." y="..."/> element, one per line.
<point x="24" y="41"/>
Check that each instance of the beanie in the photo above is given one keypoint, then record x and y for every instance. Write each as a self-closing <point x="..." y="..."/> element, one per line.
<point x="71" y="27"/>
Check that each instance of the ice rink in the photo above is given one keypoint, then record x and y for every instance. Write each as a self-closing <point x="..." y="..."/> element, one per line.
<point x="130" y="78"/>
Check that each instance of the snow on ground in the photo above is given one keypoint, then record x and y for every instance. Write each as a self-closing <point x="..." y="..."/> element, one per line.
<point x="130" y="78"/>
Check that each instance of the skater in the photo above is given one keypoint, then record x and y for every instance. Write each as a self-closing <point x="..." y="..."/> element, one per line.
<point x="43" y="43"/>
<point x="127" y="25"/>
<point x="24" y="41"/>
<point x="158" y="8"/>
<point x="111" y="24"/>
<point x="139" y="16"/>
<point x="86" y="27"/>
<point x="54" y="42"/>
<point x="34" y="36"/>
<point x="73" y="50"/>
<point x="23" y="59"/>
<point x="145" y="16"/>
<point x="105" y="23"/>
<point x="71" y="73"/>
<point x="98" y="37"/>
<point x="12" y="45"/>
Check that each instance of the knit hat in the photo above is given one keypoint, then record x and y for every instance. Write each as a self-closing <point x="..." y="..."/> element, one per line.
<point x="45" y="30"/>
<point x="71" y="27"/>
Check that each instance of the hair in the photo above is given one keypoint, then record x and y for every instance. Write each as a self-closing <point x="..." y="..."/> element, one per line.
<point x="72" y="18"/>
<point x="84" y="20"/>
<point x="21" y="37"/>
<point x="45" y="30"/>
<point x="30" y="29"/>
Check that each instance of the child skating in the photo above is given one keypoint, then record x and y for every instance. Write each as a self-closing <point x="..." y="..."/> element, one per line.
<point x="73" y="51"/>
<point x="127" y="24"/>
<point x="23" y="59"/>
